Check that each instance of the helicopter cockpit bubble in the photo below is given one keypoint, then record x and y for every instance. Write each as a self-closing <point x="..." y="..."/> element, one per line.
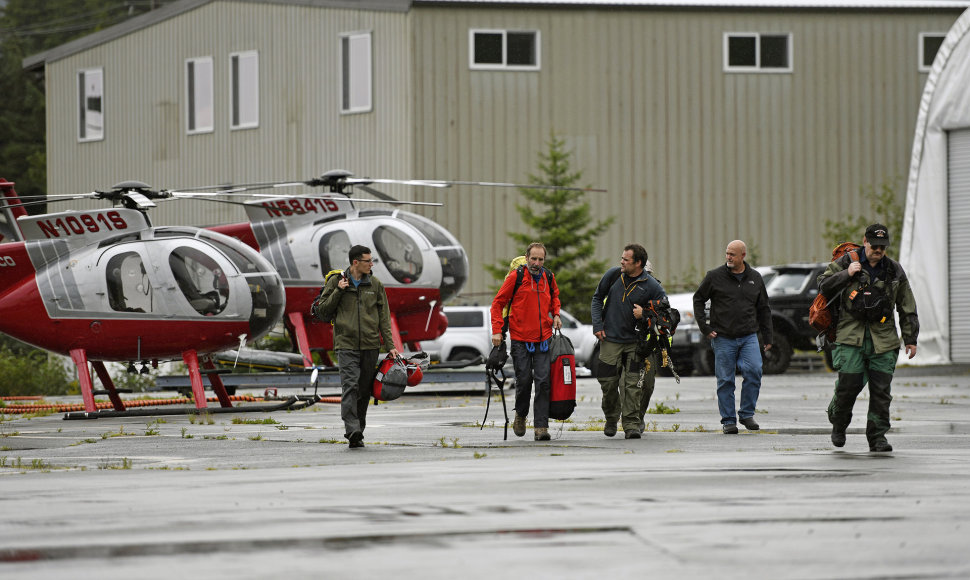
<point x="195" y="273"/>
<point x="400" y="253"/>
<point x="451" y="254"/>
<point x="265" y="288"/>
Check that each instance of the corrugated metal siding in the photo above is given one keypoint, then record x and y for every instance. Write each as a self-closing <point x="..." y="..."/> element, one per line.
<point x="301" y="134"/>
<point x="958" y="188"/>
<point x="693" y="157"/>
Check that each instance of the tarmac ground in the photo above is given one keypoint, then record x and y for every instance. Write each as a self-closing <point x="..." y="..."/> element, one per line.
<point x="433" y="495"/>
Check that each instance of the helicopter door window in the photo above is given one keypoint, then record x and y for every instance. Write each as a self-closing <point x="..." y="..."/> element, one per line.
<point x="129" y="289"/>
<point x="334" y="250"/>
<point x="399" y="253"/>
<point x="201" y="280"/>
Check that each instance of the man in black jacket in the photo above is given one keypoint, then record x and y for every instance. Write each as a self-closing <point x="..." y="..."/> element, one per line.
<point x="739" y="309"/>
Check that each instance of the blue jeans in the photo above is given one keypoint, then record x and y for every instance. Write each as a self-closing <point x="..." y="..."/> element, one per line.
<point x="743" y="353"/>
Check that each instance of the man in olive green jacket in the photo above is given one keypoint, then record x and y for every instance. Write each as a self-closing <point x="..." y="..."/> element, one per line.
<point x="867" y="291"/>
<point x="357" y="304"/>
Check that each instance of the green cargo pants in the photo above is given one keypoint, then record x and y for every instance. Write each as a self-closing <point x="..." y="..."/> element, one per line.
<point x="857" y="366"/>
<point x="618" y="377"/>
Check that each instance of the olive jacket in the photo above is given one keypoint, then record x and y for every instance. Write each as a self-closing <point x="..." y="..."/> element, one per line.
<point x="361" y="316"/>
<point x="836" y="285"/>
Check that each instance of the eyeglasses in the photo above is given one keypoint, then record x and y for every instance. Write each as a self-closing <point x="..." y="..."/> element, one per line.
<point x="368" y="261"/>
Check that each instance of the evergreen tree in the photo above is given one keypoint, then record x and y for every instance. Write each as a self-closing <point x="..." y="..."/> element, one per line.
<point x="560" y="219"/>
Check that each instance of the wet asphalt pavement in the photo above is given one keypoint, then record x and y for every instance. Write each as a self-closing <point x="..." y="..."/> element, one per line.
<point x="433" y="496"/>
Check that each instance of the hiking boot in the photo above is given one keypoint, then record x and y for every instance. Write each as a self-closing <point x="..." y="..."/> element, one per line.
<point x="631" y="434"/>
<point x="838" y="437"/>
<point x="881" y="446"/>
<point x="518" y="425"/>
<point x="542" y="434"/>
<point x="356" y="439"/>
<point x="610" y="428"/>
<point x="729" y="429"/>
<point x="750" y="424"/>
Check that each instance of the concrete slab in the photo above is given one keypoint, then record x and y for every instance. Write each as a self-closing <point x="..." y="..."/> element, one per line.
<point x="433" y="496"/>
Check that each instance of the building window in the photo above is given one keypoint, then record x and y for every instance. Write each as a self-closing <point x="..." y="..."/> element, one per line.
<point x="929" y="45"/>
<point x="356" y="64"/>
<point x="198" y="95"/>
<point x="754" y="52"/>
<point x="244" y="80"/>
<point x="90" y="91"/>
<point x="504" y="49"/>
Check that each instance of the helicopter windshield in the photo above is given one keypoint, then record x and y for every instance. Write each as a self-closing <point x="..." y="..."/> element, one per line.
<point x="400" y="253"/>
<point x="128" y="286"/>
<point x="200" y="279"/>
<point x="334" y="250"/>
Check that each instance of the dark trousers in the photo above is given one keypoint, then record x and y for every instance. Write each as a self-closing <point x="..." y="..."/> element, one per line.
<point x="531" y="367"/>
<point x="357" y="371"/>
<point x="858" y="365"/>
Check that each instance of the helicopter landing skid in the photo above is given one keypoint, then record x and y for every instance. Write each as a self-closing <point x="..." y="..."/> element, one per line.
<point x="293" y="403"/>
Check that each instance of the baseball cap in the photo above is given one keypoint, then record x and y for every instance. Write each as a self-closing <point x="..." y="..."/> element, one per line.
<point x="877" y="235"/>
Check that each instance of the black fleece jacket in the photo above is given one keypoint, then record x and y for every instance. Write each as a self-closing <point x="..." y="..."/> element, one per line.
<point x="737" y="308"/>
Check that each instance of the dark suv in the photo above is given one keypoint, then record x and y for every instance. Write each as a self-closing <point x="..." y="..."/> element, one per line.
<point x="791" y="290"/>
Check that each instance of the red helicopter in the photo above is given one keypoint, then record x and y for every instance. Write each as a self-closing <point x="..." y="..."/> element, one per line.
<point x="421" y="264"/>
<point x="105" y="285"/>
<point x="304" y="237"/>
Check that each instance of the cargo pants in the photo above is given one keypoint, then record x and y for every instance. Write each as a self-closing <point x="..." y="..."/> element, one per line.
<point x="619" y="373"/>
<point x="858" y="365"/>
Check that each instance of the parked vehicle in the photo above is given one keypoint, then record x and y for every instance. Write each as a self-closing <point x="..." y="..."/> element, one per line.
<point x="791" y="290"/>
<point x="469" y="335"/>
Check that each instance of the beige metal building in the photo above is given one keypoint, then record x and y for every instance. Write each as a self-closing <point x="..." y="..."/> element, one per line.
<point x="707" y="121"/>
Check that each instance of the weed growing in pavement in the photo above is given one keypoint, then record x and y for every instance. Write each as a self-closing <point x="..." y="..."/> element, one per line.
<point x="591" y="424"/>
<point x="242" y="421"/>
<point x="442" y="443"/>
<point x="186" y="435"/>
<point x="256" y="437"/>
<point x="82" y="442"/>
<point x="660" y="408"/>
<point x="478" y="455"/>
<point x="945" y="401"/>
<point x="222" y="437"/>
<point x="108" y="464"/>
<point x="335" y="441"/>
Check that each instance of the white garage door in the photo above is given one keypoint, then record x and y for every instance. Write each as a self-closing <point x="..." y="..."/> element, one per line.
<point x="958" y="186"/>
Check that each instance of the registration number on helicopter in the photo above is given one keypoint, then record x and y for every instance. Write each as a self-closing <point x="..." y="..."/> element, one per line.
<point x="82" y="223"/>
<point x="293" y="206"/>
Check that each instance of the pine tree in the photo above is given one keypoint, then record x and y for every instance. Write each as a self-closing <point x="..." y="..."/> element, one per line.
<point x="560" y="219"/>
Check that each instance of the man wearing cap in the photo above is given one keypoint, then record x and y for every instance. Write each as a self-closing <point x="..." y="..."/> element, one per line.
<point x="867" y="294"/>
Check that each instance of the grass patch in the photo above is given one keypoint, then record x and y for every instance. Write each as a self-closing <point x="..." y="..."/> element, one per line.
<point x="659" y="408"/>
<point x="242" y="421"/>
<point x="108" y="464"/>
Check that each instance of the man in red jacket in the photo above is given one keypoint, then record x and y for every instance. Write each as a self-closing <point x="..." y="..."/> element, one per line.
<point x="533" y="297"/>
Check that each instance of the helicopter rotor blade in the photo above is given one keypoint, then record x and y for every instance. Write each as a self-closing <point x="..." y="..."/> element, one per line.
<point x="361" y="181"/>
<point x="4" y="202"/>
<point x="521" y="185"/>
<point x="375" y="193"/>
<point x="343" y="197"/>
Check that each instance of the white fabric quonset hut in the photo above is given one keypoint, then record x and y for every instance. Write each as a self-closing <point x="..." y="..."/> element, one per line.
<point x="935" y="247"/>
